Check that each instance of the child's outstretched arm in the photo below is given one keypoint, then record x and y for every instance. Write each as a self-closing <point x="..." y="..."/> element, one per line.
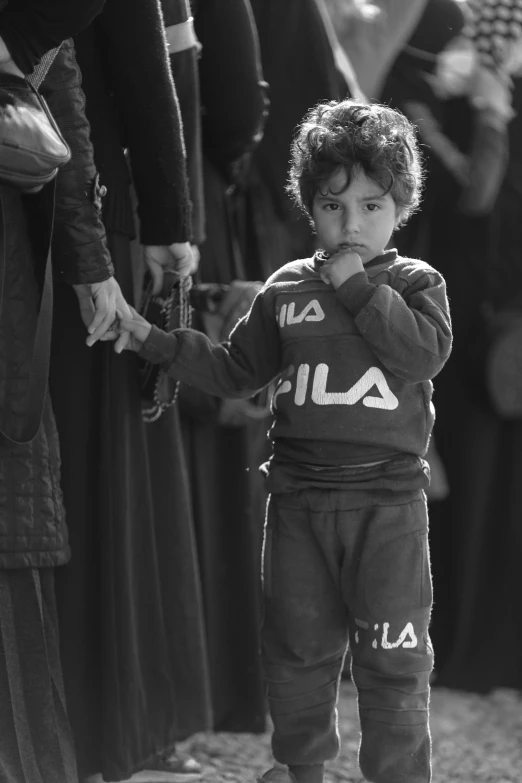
<point x="240" y="367"/>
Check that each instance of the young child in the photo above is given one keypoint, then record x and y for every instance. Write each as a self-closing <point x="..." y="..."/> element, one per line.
<point x="354" y="335"/>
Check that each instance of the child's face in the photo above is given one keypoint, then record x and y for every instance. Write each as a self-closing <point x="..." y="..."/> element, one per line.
<point x="361" y="218"/>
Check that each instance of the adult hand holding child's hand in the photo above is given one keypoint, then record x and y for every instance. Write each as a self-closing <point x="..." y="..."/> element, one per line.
<point x="100" y="304"/>
<point x="339" y="267"/>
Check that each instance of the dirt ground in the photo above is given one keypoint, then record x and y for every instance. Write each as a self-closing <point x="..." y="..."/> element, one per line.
<point x="476" y="739"/>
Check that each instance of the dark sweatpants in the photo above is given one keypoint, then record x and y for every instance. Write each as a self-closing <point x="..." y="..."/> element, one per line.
<point x="351" y="566"/>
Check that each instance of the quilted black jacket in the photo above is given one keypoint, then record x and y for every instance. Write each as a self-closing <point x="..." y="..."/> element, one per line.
<point x="33" y="532"/>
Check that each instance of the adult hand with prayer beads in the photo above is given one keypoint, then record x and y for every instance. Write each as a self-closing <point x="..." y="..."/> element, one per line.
<point x="179" y="257"/>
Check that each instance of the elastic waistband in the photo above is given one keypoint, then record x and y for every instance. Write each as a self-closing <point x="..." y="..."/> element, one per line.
<point x="407" y="473"/>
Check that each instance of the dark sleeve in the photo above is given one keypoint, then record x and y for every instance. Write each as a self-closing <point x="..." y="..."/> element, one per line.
<point x="30" y="28"/>
<point x="137" y="57"/>
<point x="79" y="244"/>
<point x="233" y="93"/>
<point x="237" y="368"/>
<point x="410" y="332"/>
<point x="299" y="65"/>
<point x="184" y="68"/>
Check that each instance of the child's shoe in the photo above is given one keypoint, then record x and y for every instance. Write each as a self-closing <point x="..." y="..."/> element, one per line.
<point x="277" y="775"/>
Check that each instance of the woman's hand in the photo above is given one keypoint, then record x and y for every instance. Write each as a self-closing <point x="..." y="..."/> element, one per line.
<point x="100" y="304"/>
<point x="180" y="257"/>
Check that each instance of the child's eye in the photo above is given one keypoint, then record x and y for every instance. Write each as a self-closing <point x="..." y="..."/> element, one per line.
<point x="372" y="207"/>
<point x="332" y="207"/>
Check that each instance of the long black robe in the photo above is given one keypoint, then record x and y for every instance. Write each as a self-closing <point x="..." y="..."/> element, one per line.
<point x="228" y="506"/>
<point x="476" y="531"/>
<point x="131" y="618"/>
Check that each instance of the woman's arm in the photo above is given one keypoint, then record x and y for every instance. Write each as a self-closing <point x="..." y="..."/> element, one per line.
<point x="79" y="244"/>
<point x="137" y="58"/>
<point x="233" y="93"/>
<point x="80" y="251"/>
<point x="184" y="51"/>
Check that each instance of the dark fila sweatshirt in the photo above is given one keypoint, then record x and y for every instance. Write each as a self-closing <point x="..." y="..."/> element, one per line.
<point x="352" y="367"/>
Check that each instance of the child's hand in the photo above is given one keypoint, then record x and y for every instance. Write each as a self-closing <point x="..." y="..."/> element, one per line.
<point x="340" y="267"/>
<point x="138" y="329"/>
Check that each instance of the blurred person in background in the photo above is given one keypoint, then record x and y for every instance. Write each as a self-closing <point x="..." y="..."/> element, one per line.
<point x="296" y="38"/>
<point x="372" y="33"/>
<point x="477" y="244"/>
<point x="463" y="93"/>
<point x="409" y="87"/>
<point x="221" y="439"/>
<point x="245" y="236"/>
<point x="129" y="603"/>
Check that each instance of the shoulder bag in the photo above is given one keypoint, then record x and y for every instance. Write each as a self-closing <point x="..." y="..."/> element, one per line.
<point x="32" y="149"/>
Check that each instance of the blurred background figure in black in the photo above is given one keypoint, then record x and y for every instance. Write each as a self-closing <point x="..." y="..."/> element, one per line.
<point x="250" y="229"/>
<point x="129" y="602"/>
<point x="457" y="79"/>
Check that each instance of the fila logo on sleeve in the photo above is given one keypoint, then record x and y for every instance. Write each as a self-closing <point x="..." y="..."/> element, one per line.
<point x="312" y="312"/>
<point x="320" y="396"/>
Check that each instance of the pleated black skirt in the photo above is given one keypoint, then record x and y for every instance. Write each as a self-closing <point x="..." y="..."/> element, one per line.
<point x="35" y="739"/>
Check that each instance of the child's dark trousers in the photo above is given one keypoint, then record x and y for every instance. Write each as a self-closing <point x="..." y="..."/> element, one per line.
<point x="351" y="566"/>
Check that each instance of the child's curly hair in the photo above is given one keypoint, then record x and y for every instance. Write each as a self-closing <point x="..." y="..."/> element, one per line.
<point x="350" y="134"/>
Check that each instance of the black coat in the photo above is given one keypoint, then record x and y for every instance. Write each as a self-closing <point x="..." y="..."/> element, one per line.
<point x="32" y="519"/>
<point x="30" y="28"/>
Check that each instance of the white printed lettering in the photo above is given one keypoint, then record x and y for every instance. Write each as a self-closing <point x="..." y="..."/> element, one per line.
<point x="407" y="633"/>
<point x="290" y="314"/>
<point x="312" y="312"/>
<point x="372" y="377"/>
<point x="301" y="384"/>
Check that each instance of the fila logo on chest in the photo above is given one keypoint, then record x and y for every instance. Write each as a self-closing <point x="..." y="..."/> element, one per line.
<point x="314" y="386"/>
<point x="311" y="312"/>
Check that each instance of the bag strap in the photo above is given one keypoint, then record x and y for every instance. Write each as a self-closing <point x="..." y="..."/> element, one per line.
<point x="39" y="366"/>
